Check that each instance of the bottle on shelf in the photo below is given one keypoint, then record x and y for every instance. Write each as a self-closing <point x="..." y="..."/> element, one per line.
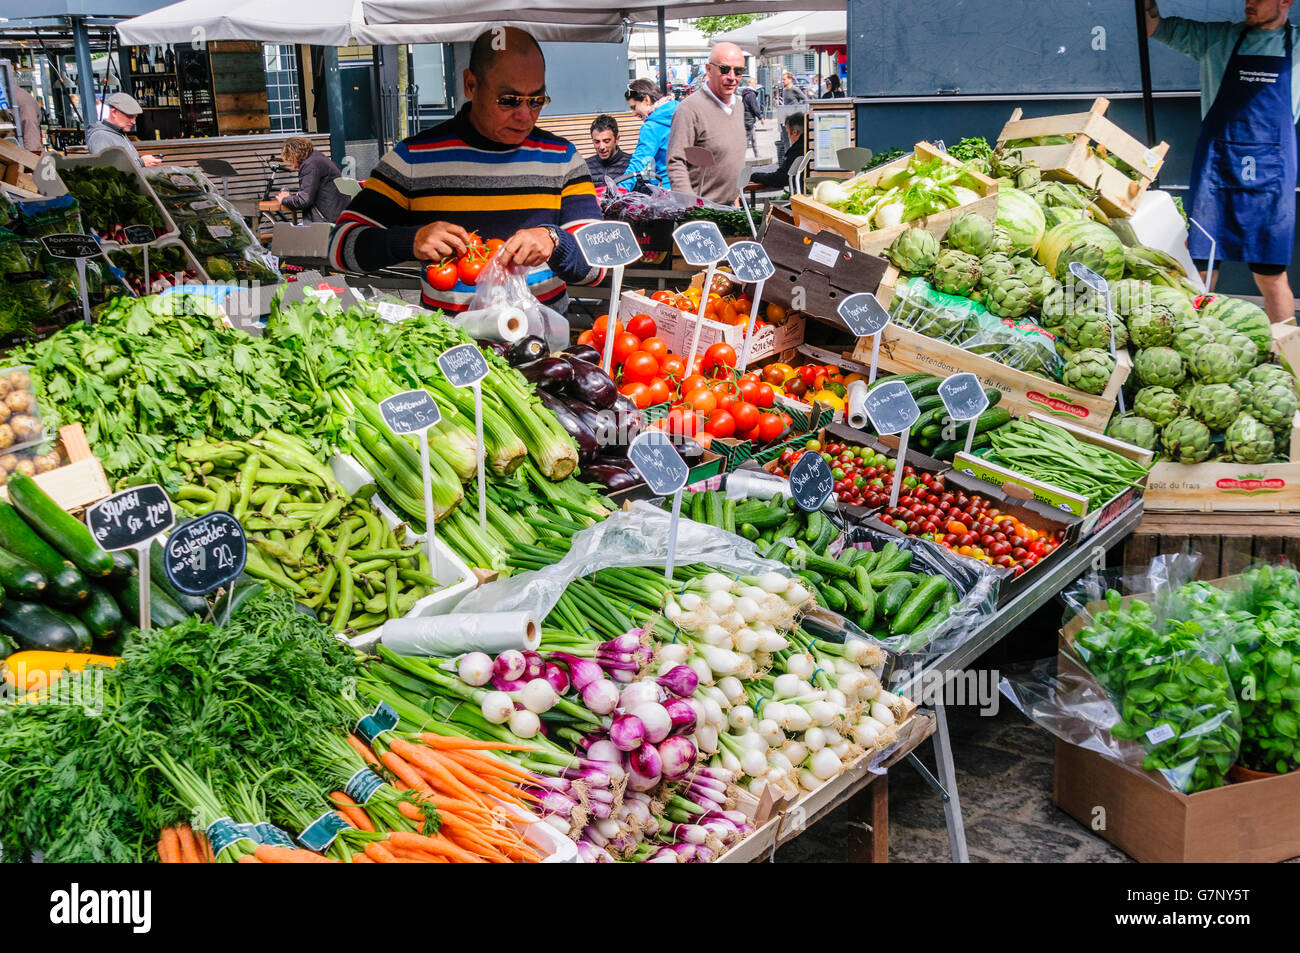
<point x="135" y="64"/>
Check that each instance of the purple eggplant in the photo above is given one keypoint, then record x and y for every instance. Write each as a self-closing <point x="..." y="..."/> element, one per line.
<point x="611" y="478"/>
<point x="599" y="422"/>
<point x="583" y="352"/>
<point x="497" y="347"/>
<point x="582" y="436"/>
<point x="527" y="350"/>
<point x="549" y="373"/>
<point x="590" y="384"/>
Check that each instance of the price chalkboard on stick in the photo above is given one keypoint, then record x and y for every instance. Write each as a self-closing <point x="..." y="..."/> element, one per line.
<point x="892" y="410"/>
<point x="465" y="366"/>
<point x="80" y="248"/>
<point x="865" y="316"/>
<point x="609" y="245"/>
<point x="750" y="265"/>
<point x="964" y="399"/>
<point x="664" y="472"/>
<point x="141" y="235"/>
<point x="205" y="554"/>
<point x="130" y="520"/>
<point x="811" y="481"/>
<point x="701" y="243"/>
<point x="414" y="412"/>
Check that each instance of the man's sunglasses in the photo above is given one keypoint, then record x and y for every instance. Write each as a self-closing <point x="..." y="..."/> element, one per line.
<point x="535" y="103"/>
<point x="724" y="70"/>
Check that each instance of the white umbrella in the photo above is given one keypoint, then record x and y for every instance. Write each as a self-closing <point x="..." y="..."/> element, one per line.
<point x="802" y="31"/>
<point x="562" y="11"/>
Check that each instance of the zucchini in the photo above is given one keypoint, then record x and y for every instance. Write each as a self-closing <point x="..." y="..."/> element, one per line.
<point x="64" y="531"/>
<point x="20" y="579"/>
<point x="66" y="586"/>
<point x="37" y="627"/>
<point x="162" y="611"/>
<point x="895" y="594"/>
<point x="101" y="615"/>
<point x="194" y="605"/>
<point x="125" y="565"/>
<point x="917" y="605"/>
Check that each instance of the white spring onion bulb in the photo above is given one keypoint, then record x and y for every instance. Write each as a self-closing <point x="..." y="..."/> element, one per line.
<point x="778" y="760"/>
<point x="717" y="694"/>
<point x="747" y="608"/>
<point x="720" y="601"/>
<point x="809" y="781"/>
<point x="797" y="718"/>
<point x="538" y="696"/>
<point x="717" y="582"/>
<point x="691" y="601"/>
<point x="733" y="621"/>
<point x="715" y="634"/>
<point x="882" y="714"/>
<point x="753" y="763"/>
<point x="801" y="665"/>
<point x="841" y="750"/>
<point x="814" y="739"/>
<point x="656" y="719"/>
<point x="844" y="667"/>
<point x="822" y="713"/>
<point x="861" y="652"/>
<point x="866" y="732"/>
<point x="774" y="582"/>
<point x="775" y="711"/>
<point x="788" y="685"/>
<point x="722" y="662"/>
<point x="497" y="707"/>
<point x="753" y="740"/>
<point x="830" y="735"/>
<point x="475" y="668"/>
<point x="796" y="594"/>
<point x="672" y="610"/>
<point x="638" y="693"/>
<point x="675" y="652"/>
<point x="838" y="699"/>
<point x="825" y="764"/>
<point x="794" y="751"/>
<point x="873" y="687"/>
<point x="850" y="683"/>
<point x="732" y="688"/>
<point x="740" y="717"/>
<point x="701" y="669"/>
<point x="747" y="641"/>
<point x="769" y="640"/>
<point x="730" y="761"/>
<point x="524" y="723"/>
<point x="706" y="738"/>
<point x="756" y="786"/>
<point x="770" y="731"/>
<point x="713" y="711"/>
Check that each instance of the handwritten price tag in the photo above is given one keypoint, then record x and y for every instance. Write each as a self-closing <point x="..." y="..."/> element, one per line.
<point x="128" y="519"/>
<point x="659" y="463"/>
<point x="701" y="243"/>
<point x="463" y="365"/>
<point x="410" y="411"/>
<point x="69" y="245"/>
<point x="891" y="407"/>
<point x="608" y="244"/>
<point x="963" y="397"/>
<point x="863" y="314"/>
<point x="205" y="554"/>
<point x="749" y="262"/>
<point x="811" y="481"/>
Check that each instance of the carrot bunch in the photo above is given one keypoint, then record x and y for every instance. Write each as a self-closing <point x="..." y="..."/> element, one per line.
<point x="183" y="845"/>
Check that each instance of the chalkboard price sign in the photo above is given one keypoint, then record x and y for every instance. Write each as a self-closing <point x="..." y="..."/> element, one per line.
<point x="608" y="244"/>
<point x="811" y="481"/>
<point x="68" y="245"/>
<point x="701" y="243"/>
<point x="205" y="554"/>
<point x="891" y="407"/>
<point x="410" y="411"/>
<point x="963" y="397"/>
<point x="128" y="519"/>
<point x="659" y="463"/>
<point x="463" y="364"/>
<point x="139" y="234"/>
<point x="749" y="262"/>
<point x="864" y="314"/>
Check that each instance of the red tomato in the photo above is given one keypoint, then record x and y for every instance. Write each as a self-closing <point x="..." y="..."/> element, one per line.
<point x="719" y="356"/>
<point x="475" y="240"/>
<point x="663" y="297"/>
<point x="770" y="427"/>
<point x="642" y="325"/>
<point x="442" y="277"/>
<point x="765" y="397"/>
<point x="660" y="392"/>
<point x="586" y="337"/>
<point x="672" y="366"/>
<point x="470" y="267"/>
<point x="598" y="329"/>
<point x="638" y="393"/>
<point x="625" y="345"/>
<point x="743" y="303"/>
<point x="728" y="402"/>
<point x="721" y="424"/>
<point x="715" y="308"/>
<point x="683" y="421"/>
<point x="655" y="347"/>
<point x="692" y="382"/>
<point x="751" y="376"/>
<point x="494" y="243"/>
<point x="751" y="434"/>
<point x="749" y="390"/>
<point x="703" y="400"/>
<point x="639" y="367"/>
<point x="745" y="414"/>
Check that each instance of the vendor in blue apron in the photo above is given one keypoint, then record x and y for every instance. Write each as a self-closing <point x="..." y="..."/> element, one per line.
<point x="1244" y="168"/>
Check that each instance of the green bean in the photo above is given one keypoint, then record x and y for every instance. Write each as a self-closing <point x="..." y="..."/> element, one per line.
<point x="390" y="591"/>
<point x="247" y="474"/>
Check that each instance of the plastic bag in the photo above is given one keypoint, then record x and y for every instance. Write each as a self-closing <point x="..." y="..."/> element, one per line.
<point x="1021" y="344"/>
<point x="506" y="286"/>
<point x="18" y="256"/>
<point x="653" y="204"/>
<point x="49" y="217"/>
<point x="169" y="181"/>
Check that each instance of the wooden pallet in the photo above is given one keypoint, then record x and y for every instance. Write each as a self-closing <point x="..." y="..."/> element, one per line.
<point x="1228" y="543"/>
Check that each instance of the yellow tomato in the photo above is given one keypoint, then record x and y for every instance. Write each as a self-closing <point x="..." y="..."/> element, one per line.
<point x="830" y="399"/>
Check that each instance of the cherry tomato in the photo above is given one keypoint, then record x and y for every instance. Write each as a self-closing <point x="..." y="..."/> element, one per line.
<point x="638" y="393"/>
<point x="770" y="427"/>
<point x="703" y="400"/>
<point x="660" y="392"/>
<point x="639" y="367"/>
<point x="765" y="397"/>
<point x="643" y="326"/>
<point x="599" y="326"/>
<point x="719" y="356"/>
<point x="441" y="276"/>
<point x="586" y="337"/>
<point x="625" y="345"/>
<point x="470" y="267"/>
<point x="721" y="424"/>
<point x="672" y="366"/>
<point x="655" y="347"/>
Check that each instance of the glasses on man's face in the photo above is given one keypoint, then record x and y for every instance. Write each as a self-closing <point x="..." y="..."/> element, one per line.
<point x="535" y="103"/>
<point x="724" y="70"/>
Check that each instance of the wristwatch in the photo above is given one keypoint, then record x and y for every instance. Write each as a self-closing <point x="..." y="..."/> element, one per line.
<point x="555" y="236"/>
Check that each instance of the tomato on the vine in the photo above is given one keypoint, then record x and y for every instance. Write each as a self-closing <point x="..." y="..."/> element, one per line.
<point x="720" y="356"/>
<point x="672" y="366"/>
<point x="692" y="382"/>
<point x="598" y="329"/>
<point x="442" y="276"/>
<point x="663" y="297"/>
<point x="770" y="427"/>
<point x="765" y="397"/>
<point x="660" y="392"/>
<point x="625" y="345"/>
<point x="494" y="243"/>
<point x="721" y="424"/>
<point x="643" y="326"/>
<point x="638" y="393"/>
<point x="639" y="367"/>
<point x="749" y="390"/>
<point x="745" y="414"/>
<point x="469" y="268"/>
<point x="655" y="347"/>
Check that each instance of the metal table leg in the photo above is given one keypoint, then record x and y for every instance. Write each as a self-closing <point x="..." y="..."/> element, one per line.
<point x="948" y="779"/>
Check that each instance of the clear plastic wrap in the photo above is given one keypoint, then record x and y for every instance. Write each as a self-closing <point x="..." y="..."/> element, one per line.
<point x="503" y="286"/>
<point x="650" y="203"/>
<point x="1018" y="343"/>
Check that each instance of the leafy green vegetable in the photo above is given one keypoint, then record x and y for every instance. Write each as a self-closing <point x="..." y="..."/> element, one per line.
<point x="109" y="197"/>
<point x="972" y="147"/>
<point x="885" y="156"/>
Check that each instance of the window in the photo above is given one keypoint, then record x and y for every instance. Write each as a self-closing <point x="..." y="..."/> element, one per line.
<point x="282" y="88"/>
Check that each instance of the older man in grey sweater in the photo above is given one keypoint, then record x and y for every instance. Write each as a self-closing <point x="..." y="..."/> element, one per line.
<point x="712" y="118"/>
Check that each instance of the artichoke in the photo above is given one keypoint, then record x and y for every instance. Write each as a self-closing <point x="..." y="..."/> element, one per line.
<point x="1245" y="349"/>
<point x="1270" y="372"/>
<point x="995" y="266"/>
<point x="971" y="233"/>
<point x="1009" y="297"/>
<point x="1215" y="405"/>
<point x="956" y="272"/>
<point x="1160" y="405"/>
<point x="1002" y="240"/>
<point x="1247" y="440"/>
<point x="1056" y="305"/>
<point x="1088" y="370"/>
<point x="1245" y="390"/>
<point x="1215" y="363"/>
<point x="1159" y="365"/>
<point x="1129" y="296"/>
<point x="1085" y="251"/>
<point x="1133" y="429"/>
<point x="1274" y="404"/>
<point x="914" y="252"/>
<point x="1186" y="440"/>
<point x="1190" y="336"/>
<point x="1151" y="326"/>
<point x="1086" y="329"/>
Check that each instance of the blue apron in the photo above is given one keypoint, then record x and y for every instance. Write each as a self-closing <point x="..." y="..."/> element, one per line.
<point x="1244" y="169"/>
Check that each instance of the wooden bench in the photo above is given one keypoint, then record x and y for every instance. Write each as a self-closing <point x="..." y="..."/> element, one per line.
<point x="244" y="153"/>
<point x="577" y="129"/>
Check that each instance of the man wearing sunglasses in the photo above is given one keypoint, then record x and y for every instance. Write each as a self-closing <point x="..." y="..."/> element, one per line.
<point x="487" y="174"/>
<point x="712" y="118"/>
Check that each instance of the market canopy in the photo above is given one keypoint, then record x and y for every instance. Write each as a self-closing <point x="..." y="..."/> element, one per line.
<point x="790" y="33"/>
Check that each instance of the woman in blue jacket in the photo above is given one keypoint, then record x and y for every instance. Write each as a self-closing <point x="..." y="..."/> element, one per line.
<point x="656" y="111"/>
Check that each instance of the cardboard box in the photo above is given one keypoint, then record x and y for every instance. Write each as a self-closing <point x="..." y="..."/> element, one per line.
<point x="678" y="327"/>
<point x="808" y="211"/>
<point x="904" y="351"/>
<point x="815" y="272"/>
<point x="80" y="481"/>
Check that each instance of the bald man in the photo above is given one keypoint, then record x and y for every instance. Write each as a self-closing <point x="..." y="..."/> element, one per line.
<point x="487" y="173"/>
<point x="712" y="118"/>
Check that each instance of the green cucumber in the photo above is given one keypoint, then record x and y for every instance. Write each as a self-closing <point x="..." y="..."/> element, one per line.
<point x="892" y="599"/>
<point x="882" y="580"/>
<point x="66" y="586"/>
<point x="815" y="578"/>
<point x="897" y="561"/>
<point x="21" y="580"/>
<point x="992" y="419"/>
<point x="917" y="605"/>
<point x="39" y="628"/>
<point x="697" y="507"/>
<point x="729" y="515"/>
<point x="762" y="516"/>
<point x="925" y="387"/>
<point x="713" y="508"/>
<point x="930" y="402"/>
<point x="853" y="601"/>
<point x="243" y="590"/>
<point x="931" y="431"/>
<point x="788" y="529"/>
<point x="101" y="615"/>
<point x="777" y="551"/>
<point x="924" y="421"/>
<point x="162" y="611"/>
<point x="950" y="448"/>
<point x="824" y="538"/>
<point x="827" y="567"/>
<point x="60" y="528"/>
<point x="993" y="394"/>
<point x="868" y="593"/>
<point x="749" y="531"/>
<point x="814" y="527"/>
<point x="194" y="605"/>
<point x="832" y="598"/>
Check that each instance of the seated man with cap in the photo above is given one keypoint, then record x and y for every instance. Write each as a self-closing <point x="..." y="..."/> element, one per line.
<point x="111" y="132"/>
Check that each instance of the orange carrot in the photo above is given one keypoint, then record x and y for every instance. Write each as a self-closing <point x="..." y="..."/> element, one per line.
<point x="248" y="859"/>
<point x="363" y="749"/>
<point x="482" y="783"/>
<point x="205" y="847"/>
<point x="289" y="855"/>
<point x="189" y="846"/>
<point x="360" y="858"/>
<point x="488" y="765"/>
<point x="169" y="846"/>
<point x="379" y="853"/>
<point x="405" y="773"/>
<point x="352" y="812"/>
<point x="433" y="764"/>
<point x="437" y="845"/>
<point x="444" y="742"/>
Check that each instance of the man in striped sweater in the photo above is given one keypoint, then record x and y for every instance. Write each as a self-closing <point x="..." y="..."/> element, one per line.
<point x="488" y="171"/>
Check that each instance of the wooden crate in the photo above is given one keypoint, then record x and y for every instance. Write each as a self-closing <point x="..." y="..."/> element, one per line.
<point x="77" y="483"/>
<point x="904" y="351"/>
<point x="1227" y="545"/>
<point x="809" y="212"/>
<point x="1079" y="161"/>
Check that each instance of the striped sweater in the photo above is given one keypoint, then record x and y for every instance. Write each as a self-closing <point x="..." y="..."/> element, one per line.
<point x="451" y="173"/>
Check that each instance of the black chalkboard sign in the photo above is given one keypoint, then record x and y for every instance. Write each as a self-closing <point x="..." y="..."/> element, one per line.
<point x="658" y="462"/>
<point x="963" y="397"/>
<point x="891" y="407"/>
<point x="463" y="364"/>
<point x="410" y="411"/>
<point x="139" y="234"/>
<point x="608" y="244"/>
<point x="127" y="519"/>
<point x="68" y="245"/>
<point x="701" y="243"/>
<point x="205" y="554"/>
<point x="749" y="262"/>
<point x="811" y="481"/>
<point x="863" y="313"/>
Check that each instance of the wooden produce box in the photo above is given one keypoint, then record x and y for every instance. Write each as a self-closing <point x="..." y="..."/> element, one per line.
<point x="80" y="481"/>
<point x="16" y="165"/>
<point x="814" y="272"/>
<point x="809" y="212"/>
<point x="1118" y="195"/>
<point x="904" y="351"/>
<point x="1226" y="546"/>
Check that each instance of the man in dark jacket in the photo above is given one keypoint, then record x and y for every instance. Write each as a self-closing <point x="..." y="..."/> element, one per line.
<point x="316" y="174"/>
<point x="111" y="131"/>
<point x="753" y="114"/>
<point x="780" y="178"/>
<point x="609" y="159"/>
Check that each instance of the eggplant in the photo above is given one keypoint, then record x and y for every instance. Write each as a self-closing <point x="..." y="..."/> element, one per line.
<point x="549" y="373"/>
<point x="583" y="352"/>
<point x="526" y="350"/>
<point x="590" y="384"/>
<point x="611" y="478"/>
<point x="601" y="423"/>
<point x="582" y="436"/>
<point x="496" y="347"/>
